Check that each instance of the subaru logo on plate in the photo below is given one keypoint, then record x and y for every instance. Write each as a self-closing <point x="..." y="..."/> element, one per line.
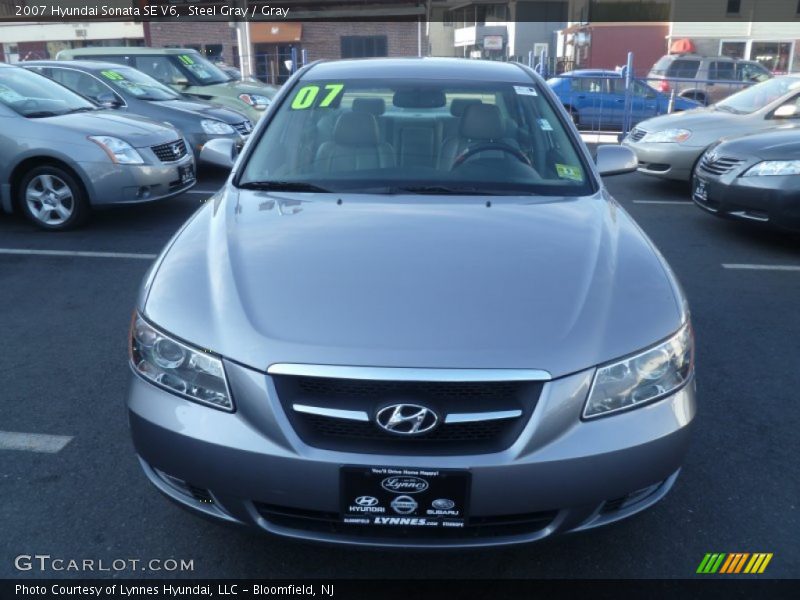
<point x="404" y="505"/>
<point x="407" y="419"/>
<point x="443" y="504"/>
<point x="404" y="484"/>
<point x="366" y="500"/>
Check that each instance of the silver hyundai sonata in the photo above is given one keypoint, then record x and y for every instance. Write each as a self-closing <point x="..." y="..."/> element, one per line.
<point x="413" y="316"/>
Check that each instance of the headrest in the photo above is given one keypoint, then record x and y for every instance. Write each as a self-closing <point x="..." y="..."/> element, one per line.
<point x="482" y="122"/>
<point x="459" y="105"/>
<point x="373" y="106"/>
<point x="356" y="129"/>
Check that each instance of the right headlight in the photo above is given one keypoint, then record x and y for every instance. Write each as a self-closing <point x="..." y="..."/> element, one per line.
<point x="643" y="377"/>
<point x="215" y="127"/>
<point x="774" y="167"/>
<point x="257" y="101"/>
<point x="168" y="363"/>
<point x="667" y="135"/>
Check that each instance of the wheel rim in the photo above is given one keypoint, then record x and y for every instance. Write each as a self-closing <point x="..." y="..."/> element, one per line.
<point x="49" y="199"/>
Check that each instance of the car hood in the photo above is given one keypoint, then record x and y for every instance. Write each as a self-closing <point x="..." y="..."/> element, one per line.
<point x="137" y="131"/>
<point x="234" y="88"/>
<point x="781" y="143"/>
<point x="199" y="108"/>
<point x="558" y="285"/>
<point x="702" y="122"/>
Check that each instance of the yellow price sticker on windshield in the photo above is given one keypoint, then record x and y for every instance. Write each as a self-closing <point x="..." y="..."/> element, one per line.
<point x="569" y="172"/>
<point x="185" y="59"/>
<point x="307" y="95"/>
<point x="112" y="75"/>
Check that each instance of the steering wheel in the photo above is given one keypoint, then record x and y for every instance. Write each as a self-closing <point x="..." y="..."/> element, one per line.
<point x="502" y="147"/>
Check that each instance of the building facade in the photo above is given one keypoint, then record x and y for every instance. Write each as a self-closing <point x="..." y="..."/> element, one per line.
<point x="764" y="30"/>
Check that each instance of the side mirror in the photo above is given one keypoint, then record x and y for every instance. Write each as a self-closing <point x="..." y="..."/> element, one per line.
<point x="787" y="111"/>
<point x="108" y="100"/>
<point x="221" y="152"/>
<point x="615" y="160"/>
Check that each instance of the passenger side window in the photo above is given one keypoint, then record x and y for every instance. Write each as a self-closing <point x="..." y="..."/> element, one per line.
<point x="753" y="73"/>
<point x="78" y="82"/>
<point x="722" y="71"/>
<point x="160" y="68"/>
<point x="592" y="85"/>
<point x="683" y="68"/>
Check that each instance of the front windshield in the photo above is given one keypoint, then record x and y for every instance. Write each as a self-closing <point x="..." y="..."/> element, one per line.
<point x="32" y="95"/>
<point x="199" y="70"/>
<point x="407" y="136"/>
<point x="137" y="84"/>
<point x="760" y="95"/>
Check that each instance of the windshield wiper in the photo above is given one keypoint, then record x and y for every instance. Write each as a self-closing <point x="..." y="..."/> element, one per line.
<point x="81" y="109"/>
<point x="284" y="186"/>
<point x="42" y="113"/>
<point x="444" y="190"/>
<point x="729" y="109"/>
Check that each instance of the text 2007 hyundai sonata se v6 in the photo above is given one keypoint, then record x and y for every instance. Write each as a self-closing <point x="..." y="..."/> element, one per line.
<point x="413" y="316"/>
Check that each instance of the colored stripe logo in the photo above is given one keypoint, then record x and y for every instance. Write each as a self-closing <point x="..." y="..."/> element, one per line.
<point x="735" y="562"/>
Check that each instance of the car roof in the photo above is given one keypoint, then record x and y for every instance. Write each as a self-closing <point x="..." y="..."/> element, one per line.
<point x="419" y="68"/>
<point x="89" y="65"/>
<point x="591" y="73"/>
<point x="2" y="64"/>
<point x="123" y="50"/>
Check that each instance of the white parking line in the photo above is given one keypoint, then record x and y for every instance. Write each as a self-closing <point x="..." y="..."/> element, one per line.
<point x="26" y="251"/>
<point x="681" y="202"/>
<point x="33" y="442"/>
<point x="761" y="267"/>
<point x="212" y="192"/>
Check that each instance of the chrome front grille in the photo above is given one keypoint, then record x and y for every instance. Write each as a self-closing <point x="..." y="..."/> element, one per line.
<point x="637" y="134"/>
<point x="719" y="165"/>
<point x="243" y="128"/>
<point x="170" y="152"/>
<point x="474" y="417"/>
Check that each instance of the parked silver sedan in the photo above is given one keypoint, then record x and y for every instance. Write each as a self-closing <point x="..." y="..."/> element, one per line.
<point x="413" y="316"/>
<point x="670" y="146"/>
<point x="60" y="155"/>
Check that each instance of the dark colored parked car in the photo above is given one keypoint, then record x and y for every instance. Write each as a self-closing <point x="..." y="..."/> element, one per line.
<point x="131" y="91"/>
<point x="755" y="177"/>
<point x="596" y="99"/>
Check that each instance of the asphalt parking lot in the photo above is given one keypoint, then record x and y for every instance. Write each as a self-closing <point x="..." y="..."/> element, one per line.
<point x="63" y="365"/>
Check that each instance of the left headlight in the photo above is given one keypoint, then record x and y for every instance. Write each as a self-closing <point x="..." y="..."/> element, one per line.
<point x="168" y="363"/>
<point x="215" y="127"/>
<point x="257" y="101"/>
<point x="643" y="377"/>
<point x="774" y="167"/>
<point x="119" y="151"/>
<point x="668" y="135"/>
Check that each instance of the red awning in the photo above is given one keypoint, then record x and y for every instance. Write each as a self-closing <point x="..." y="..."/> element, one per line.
<point x="682" y="46"/>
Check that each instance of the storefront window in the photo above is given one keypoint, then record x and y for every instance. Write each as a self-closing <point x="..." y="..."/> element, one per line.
<point x="773" y="55"/>
<point x="733" y="49"/>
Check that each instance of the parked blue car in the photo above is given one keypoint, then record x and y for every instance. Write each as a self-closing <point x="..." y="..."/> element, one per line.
<point x="596" y="99"/>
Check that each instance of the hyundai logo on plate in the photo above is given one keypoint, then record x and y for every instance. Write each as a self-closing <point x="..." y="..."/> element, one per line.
<point x="406" y="419"/>
<point x="366" y="500"/>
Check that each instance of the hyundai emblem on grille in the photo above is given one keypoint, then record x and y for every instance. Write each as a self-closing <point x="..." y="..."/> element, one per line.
<point x="407" y="419"/>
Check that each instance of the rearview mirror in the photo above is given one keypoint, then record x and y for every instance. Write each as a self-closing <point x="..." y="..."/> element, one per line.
<point x="615" y="160"/>
<point x="787" y="111"/>
<point x="221" y="152"/>
<point x="108" y="100"/>
<point x="182" y="82"/>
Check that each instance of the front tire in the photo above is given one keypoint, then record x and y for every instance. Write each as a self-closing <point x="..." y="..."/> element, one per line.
<point x="52" y="198"/>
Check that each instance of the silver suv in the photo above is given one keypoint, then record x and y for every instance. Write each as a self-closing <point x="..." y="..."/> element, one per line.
<point x="707" y="79"/>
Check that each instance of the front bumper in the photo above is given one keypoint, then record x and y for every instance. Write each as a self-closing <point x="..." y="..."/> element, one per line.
<point x="561" y="475"/>
<point x="109" y="183"/>
<point x="772" y="200"/>
<point x="665" y="160"/>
